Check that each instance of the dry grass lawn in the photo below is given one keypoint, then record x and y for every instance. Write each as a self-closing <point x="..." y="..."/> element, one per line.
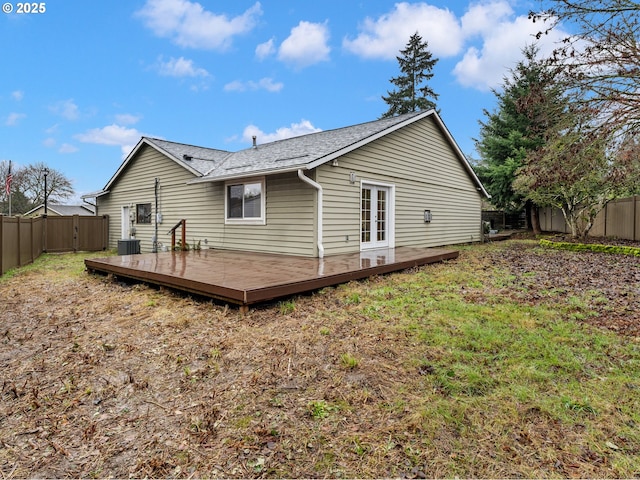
<point x="512" y="361"/>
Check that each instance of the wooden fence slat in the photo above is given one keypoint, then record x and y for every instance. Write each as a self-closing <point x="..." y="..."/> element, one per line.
<point x="22" y="240"/>
<point x="620" y="218"/>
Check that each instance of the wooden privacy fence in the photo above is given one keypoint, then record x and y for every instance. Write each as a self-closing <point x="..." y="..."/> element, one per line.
<point x="620" y="218"/>
<point x="22" y="240"/>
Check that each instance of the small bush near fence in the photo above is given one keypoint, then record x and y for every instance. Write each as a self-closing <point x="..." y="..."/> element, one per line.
<point x="591" y="247"/>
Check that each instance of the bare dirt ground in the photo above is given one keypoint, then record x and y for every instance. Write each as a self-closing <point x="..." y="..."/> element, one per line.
<point x="616" y="276"/>
<point x="108" y="379"/>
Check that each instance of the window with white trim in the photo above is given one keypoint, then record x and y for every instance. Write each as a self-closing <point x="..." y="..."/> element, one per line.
<point x="244" y="201"/>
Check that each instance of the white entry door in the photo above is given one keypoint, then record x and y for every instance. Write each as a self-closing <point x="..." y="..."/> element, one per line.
<point x="376" y="222"/>
<point x="125" y="223"/>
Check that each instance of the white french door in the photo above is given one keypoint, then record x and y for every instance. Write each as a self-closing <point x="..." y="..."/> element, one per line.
<point x="376" y="207"/>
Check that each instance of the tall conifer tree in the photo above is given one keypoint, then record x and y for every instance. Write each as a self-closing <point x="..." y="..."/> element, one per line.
<point x="412" y="94"/>
<point x="526" y="109"/>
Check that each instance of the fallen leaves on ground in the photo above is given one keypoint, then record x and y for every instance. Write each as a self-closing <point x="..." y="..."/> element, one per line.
<point x="109" y="379"/>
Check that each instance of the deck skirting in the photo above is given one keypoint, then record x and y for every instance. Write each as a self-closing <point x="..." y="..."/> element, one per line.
<point x="246" y="278"/>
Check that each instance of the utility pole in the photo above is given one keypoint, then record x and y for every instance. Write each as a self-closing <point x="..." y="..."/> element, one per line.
<point x="46" y="172"/>
<point x="8" y="186"/>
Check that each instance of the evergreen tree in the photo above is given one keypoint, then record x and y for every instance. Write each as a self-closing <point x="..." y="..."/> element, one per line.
<point x="412" y="94"/>
<point x="526" y="108"/>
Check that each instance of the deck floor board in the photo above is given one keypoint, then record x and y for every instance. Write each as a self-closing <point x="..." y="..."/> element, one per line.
<point x="246" y="278"/>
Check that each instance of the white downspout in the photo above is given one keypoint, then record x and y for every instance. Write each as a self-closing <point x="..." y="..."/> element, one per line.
<point x="318" y="187"/>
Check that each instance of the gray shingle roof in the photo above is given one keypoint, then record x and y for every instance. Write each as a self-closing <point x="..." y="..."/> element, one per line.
<point x="200" y="159"/>
<point x="302" y="152"/>
<point x="85" y="209"/>
<point x="73" y="209"/>
<point x="299" y="152"/>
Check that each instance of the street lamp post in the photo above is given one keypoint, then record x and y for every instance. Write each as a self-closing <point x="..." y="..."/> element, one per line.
<point x="46" y="172"/>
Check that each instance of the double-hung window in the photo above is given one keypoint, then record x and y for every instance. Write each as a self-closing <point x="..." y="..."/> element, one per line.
<point x="244" y="201"/>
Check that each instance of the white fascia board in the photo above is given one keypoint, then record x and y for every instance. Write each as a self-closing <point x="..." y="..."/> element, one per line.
<point x="252" y="173"/>
<point x="94" y="194"/>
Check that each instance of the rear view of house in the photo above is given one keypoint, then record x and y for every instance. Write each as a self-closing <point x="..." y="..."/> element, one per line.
<point x="399" y="181"/>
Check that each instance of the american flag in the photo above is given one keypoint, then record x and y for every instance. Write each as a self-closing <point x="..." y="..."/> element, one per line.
<point x="7" y="184"/>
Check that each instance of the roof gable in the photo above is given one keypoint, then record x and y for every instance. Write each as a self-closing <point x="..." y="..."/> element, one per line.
<point x="305" y="151"/>
<point x="197" y="160"/>
<point x="312" y="150"/>
<point x="302" y="152"/>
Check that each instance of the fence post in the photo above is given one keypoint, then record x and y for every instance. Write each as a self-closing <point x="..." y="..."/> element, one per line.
<point x="31" y="240"/>
<point x="635" y="206"/>
<point x="105" y="232"/>
<point x="19" y="242"/>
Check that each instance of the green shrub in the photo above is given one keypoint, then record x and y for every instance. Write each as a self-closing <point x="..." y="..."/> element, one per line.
<point x="592" y="247"/>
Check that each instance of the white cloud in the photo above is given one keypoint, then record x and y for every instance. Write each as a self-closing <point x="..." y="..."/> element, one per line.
<point x="67" y="148"/>
<point x="17" y="95"/>
<point x="180" y="67"/>
<point x="265" y="49"/>
<point x="306" y="45"/>
<point x="127" y="119"/>
<point x="295" y="130"/>
<point x="52" y="129"/>
<point x="188" y="24"/>
<point x="482" y="19"/>
<point x="486" y="41"/>
<point x="503" y="38"/>
<point x="113" y="135"/>
<point x="263" y="84"/>
<point x="14" y="118"/>
<point x="385" y="36"/>
<point x="49" y="142"/>
<point x="66" y="109"/>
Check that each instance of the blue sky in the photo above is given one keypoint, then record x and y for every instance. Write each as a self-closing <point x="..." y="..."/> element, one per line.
<point x="82" y="81"/>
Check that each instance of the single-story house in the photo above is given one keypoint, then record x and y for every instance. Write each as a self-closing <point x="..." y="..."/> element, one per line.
<point x="399" y="181"/>
<point x="56" y="209"/>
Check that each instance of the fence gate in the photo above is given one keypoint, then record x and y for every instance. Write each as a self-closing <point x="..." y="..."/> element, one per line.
<point x="22" y="240"/>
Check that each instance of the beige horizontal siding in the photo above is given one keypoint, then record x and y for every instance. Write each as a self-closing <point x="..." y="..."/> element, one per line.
<point x="416" y="159"/>
<point x="426" y="174"/>
<point x="290" y="210"/>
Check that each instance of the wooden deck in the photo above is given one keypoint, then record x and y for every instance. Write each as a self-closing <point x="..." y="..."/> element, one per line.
<point x="246" y="278"/>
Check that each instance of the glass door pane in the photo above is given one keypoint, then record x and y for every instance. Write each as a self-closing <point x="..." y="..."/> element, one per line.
<point x="365" y="228"/>
<point x="374" y="215"/>
<point x="381" y="223"/>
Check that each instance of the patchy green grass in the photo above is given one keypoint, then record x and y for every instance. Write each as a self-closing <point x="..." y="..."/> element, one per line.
<point x="66" y="264"/>
<point x="507" y="362"/>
